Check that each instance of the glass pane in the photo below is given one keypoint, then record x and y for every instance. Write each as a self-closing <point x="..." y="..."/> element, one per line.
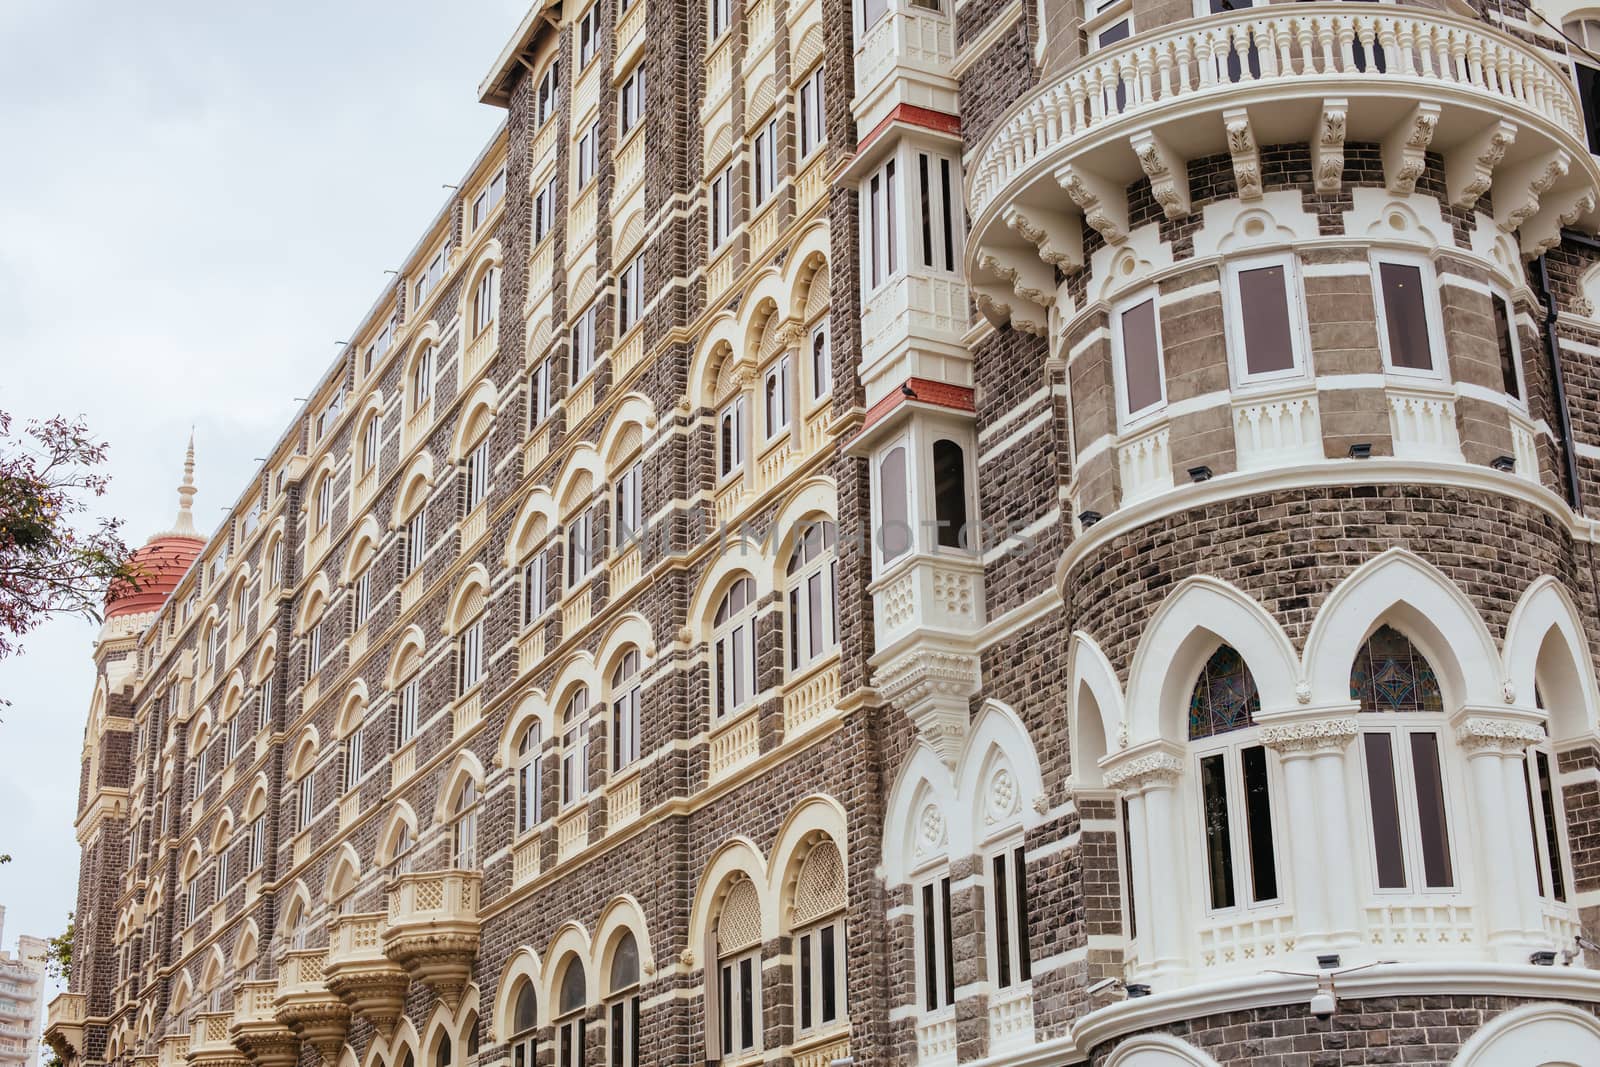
<point x="1552" y="833"/>
<point x="950" y="493"/>
<point x="1224" y="696"/>
<point x="1390" y="675"/>
<point x="826" y="964"/>
<point x="1508" y="348"/>
<point x="1385" y="811"/>
<point x="747" y="1003"/>
<point x="930" y="967"/>
<point x="1430" y="810"/>
<point x="1019" y="886"/>
<point x="1533" y="819"/>
<point x="1141" y="357"/>
<point x="805" y="982"/>
<point x="1002" y="927"/>
<point x="625" y="964"/>
<point x="1219" y="842"/>
<point x="1406" y="314"/>
<point x="1264" y="307"/>
<point x="727" y="1008"/>
<point x="1258" y="818"/>
<point x="895" y="535"/>
<point x="617" y="1035"/>
<point x="949" y="945"/>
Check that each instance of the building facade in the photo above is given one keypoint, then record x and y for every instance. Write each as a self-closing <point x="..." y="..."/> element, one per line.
<point x="22" y="987"/>
<point x="914" y="533"/>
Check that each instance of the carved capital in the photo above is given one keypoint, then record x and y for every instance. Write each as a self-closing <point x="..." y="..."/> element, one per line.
<point x="1312" y="736"/>
<point x="1142" y="772"/>
<point x="1481" y="733"/>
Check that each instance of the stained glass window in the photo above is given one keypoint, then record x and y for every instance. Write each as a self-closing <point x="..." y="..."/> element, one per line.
<point x="1224" y="696"/>
<point x="1390" y="675"/>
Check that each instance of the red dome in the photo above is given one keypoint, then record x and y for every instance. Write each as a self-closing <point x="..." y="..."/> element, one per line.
<point x="159" y="566"/>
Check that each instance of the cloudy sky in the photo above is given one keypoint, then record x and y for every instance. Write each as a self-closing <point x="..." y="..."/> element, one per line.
<point x="197" y="200"/>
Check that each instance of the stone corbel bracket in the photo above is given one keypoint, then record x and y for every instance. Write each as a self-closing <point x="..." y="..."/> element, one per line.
<point x="1405" y="149"/>
<point x="1327" y="145"/>
<point x="1059" y="240"/>
<point x="1167" y="171"/>
<point x="1246" y="154"/>
<point x="1543" y="231"/>
<point x="1469" y="167"/>
<point x="1522" y="187"/>
<point x="1104" y="203"/>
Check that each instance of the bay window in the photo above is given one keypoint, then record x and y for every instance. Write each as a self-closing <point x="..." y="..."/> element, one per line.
<point x="734" y="647"/>
<point x="881" y="226"/>
<point x="894" y="504"/>
<point x="939" y="197"/>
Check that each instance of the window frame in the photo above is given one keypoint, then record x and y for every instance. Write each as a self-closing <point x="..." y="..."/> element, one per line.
<point x="1019" y="957"/>
<point x="1499" y="292"/>
<point x="581" y="360"/>
<point x="547" y="98"/>
<point x="1127" y="420"/>
<point x="738" y="983"/>
<point x="587" y="156"/>
<point x="1400" y="727"/>
<point x="729" y="638"/>
<point x="736" y="412"/>
<point x="475" y="471"/>
<point x="529" y="778"/>
<point x="777" y="374"/>
<point x="719" y="203"/>
<point x="1432" y="314"/>
<point x="810" y="110"/>
<point x="1540" y="764"/>
<point x="544" y="210"/>
<point x="575" y="731"/>
<point x="1233" y="308"/>
<point x="351" y="772"/>
<point x="812" y="971"/>
<point x="798" y="610"/>
<point x="1230" y="746"/>
<point x="630" y="295"/>
<point x="587" y="37"/>
<point x="764" y="163"/>
<point x="882" y="260"/>
<point x="630" y="103"/>
<point x="821" y="384"/>
<point x="628" y="506"/>
<point x="935" y="963"/>
<point x="535" y="579"/>
<point x="469" y="646"/>
<point x="626" y="688"/>
<point x="720" y="20"/>
<point x="578" y="550"/>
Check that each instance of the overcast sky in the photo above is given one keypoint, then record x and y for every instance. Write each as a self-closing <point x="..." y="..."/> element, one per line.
<point x="197" y="200"/>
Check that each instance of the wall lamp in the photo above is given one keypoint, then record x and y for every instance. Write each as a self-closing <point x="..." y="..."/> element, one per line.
<point x="1201" y="473"/>
<point x="1507" y="464"/>
<point x="1088" y="518"/>
<point x="1361" y="450"/>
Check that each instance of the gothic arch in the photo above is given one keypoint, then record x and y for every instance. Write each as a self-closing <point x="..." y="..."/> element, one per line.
<point x="997" y="776"/>
<point x="1546" y="650"/>
<point x="1095" y="708"/>
<point x="1548" y="1034"/>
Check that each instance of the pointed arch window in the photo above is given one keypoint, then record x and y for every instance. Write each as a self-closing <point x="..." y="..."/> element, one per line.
<point x="530" y="772"/>
<point x="622" y="1005"/>
<point x="1235" y="784"/>
<point x="524" y="1027"/>
<point x="571" y="1027"/>
<point x="1402" y="748"/>
<point x="464" y="828"/>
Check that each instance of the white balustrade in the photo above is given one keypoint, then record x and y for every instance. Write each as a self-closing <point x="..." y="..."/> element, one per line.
<point x="719" y="277"/>
<point x="358" y="644"/>
<point x="630" y="168"/>
<point x="466" y="712"/>
<point x="411" y="590"/>
<point x="536" y="450"/>
<point x="919" y="39"/>
<point x="912" y="306"/>
<point x="624" y="803"/>
<point x="1250" y="939"/>
<point x="734" y="744"/>
<point x="581" y="222"/>
<point x="627" y="355"/>
<point x="480" y="352"/>
<point x="349" y="809"/>
<point x="1011" y="1017"/>
<point x="580" y="401"/>
<point x="1145" y="462"/>
<point x="576" y="611"/>
<point x="1423" y="425"/>
<point x="811" y="183"/>
<point x="417" y="424"/>
<point x="474" y="526"/>
<point x="525" y="862"/>
<point x="541" y="271"/>
<point x="809" y="697"/>
<point x="404" y="764"/>
<point x="573" y="834"/>
<point x="629" y="26"/>
<point x="530" y="650"/>
<point x="1304" y="44"/>
<point x="1420" y="924"/>
<point x="719" y="72"/>
<point x="625" y="568"/>
<point x="1277" y="431"/>
<point x="936" y="1036"/>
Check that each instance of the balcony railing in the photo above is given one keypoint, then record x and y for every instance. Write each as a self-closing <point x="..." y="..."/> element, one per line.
<point x="432" y="928"/>
<point x="809" y="697"/>
<point x="63" y="1027"/>
<point x="359" y="971"/>
<point x="1306" y="48"/>
<point x="735" y="744"/>
<point x="821" y="1051"/>
<point x="480" y="352"/>
<point x="474" y="526"/>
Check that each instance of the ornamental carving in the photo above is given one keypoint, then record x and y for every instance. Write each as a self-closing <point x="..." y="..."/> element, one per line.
<point x="930" y="830"/>
<point x="1002" y="796"/>
<point x="1158" y="768"/>
<point x="1317" y="735"/>
<point x="1482" y="734"/>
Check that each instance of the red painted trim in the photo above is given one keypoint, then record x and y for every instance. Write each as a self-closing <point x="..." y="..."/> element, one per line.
<point x="925" y="117"/>
<point x="939" y="394"/>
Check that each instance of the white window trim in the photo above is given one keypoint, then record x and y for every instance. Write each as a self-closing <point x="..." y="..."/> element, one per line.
<point x="739" y="409"/>
<point x="1399" y="726"/>
<point x="1229" y="746"/>
<point x="782" y="372"/>
<point x="1440" y="374"/>
<point x="1233" y="308"/>
<point x="880" y="565"/>
<point x="1127" y="420"/>
<point x="1520" y="401"/>
<point x="1003" y="846"/>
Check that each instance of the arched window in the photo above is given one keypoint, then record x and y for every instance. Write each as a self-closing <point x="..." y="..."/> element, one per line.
<point x="818" y="923"/>
<point x="524" y="1027"/>
<point x="464" y="828"/>
<point x="1235" y="791"/>
<point x="530" y="773"/>
<point x="422" y="379"/>
<point x="625" y="711"/>
<point x="622" y="1004"/>
<point x="483" y="300"/>
<point x="575" y="747"/>
<point x="813" y="590"/>
<point x="739" y="969"/>
<point x="1546" y="815"/>
<point x="297" y="926"/>
<point x="1402" y="733"/>
<point x="400" y="845"/>
<point x="950" y="494"/>
<point x="894" y="505"/>
<point x="571" y="1027"/>
<point x="443" y="1054"/>
<point x="343" y="890"/>
<point x="734" y="647"/>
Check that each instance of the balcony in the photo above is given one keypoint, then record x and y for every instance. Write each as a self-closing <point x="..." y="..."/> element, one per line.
<point x="810" y="696"/>
<point x="530" y="649"/>
<point x="625" y="568"/>
<point x="417" y="425"/>
<point x="209" y="1043"/>
<point x="577" y="608"/>
<point x="822" y="1051"/>
<point x="573" y="833"/>
<point x="306" y="1005"/>
<point x="622" y="802"/>
<point x="525" y="862"/>
<point x="734" y="743"/>
<point x="480" y="352"/>
<point x="359" y="973"/>
<point x="811" y="184"/>
<point x="1504" y="118"/>
<point x="256" y="1031"/>
<point x="627" y="355"/>
<point x="474" y="526"/>
<point x="433" y="929"/>
<point x="630" y="34"/>
<point x="63" y="1025"/>
<point x="411" y="590"/>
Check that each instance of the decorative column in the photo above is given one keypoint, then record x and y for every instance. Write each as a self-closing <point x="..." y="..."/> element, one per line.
<point x="1147" y="777"/>
<point x="1311" y="746"/>
<point x="1494" y="744"/>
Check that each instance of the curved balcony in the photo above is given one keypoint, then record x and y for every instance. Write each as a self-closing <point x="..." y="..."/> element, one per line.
<point x="63" y="1026"/>
<point x="432" y="929"/>
<point x="306" y="1005"/>
<point x="256" y="1031"/>
<point x="359" y="973"/>
<point x="1505" y="119"/>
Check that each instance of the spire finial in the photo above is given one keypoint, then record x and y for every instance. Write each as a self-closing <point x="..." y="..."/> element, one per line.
<point x="186" y="491"/>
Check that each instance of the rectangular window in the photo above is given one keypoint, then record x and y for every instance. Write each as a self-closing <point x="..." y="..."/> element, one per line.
<point x="630" y="294"/>
<point x="224" y="883"/>
<point x="821" y="363"/>
<point x="730" y="438"/>
<point x="629" y="510"/>
<point x="352" y="761"/>
<point x="361" y="596"/>
<point x="588" y="36"/>
<point x="1404" y="304"/>
<point x="775" y="398"/>
<point x="429" y="279"/>
<point x="1008" y="909"/>
<point x="582" y="347"/>
<point x="406" y="719"/>
<point x="483" y="301"/>
<point x="371" y="438"/>
<point x="324" y="501"/>
<point x="1258" y="824"/>
<point x="578" y="549"/>
<point x="307" y="796"/>
<point x="882" y="234"/>
<point x="630" y="102"/>
<point x="258" y="842"/>
<point x="894" y="505"/>
<point x="277" y="564"/>
<point x="486" y="201"/>
<point x="813" y="119"/>
<point x="1588" y="79"/>
<point x="544" y="211"/>
<point x="1383" y="800"/>
<point x="472" y="656"/>
<point x="764" y="161"/>
<point x="539" y="395"/>
<point x="721" y="17"/>
<point x="1505" y="333"/>
<point x="1431" y="819"/>
<point x="721" y="207"/>
<point x="477" y="487"/>
<point x="314" y="649"/>
<point x="820" y="974"/>
<point x="936" y="191"/>
<point x="266" y="703"/>
<point x="529" y="803"/>
<point x="416" y="540"/>
<point x="872" y="11"/>
<point x="741" y="1004"/>
<point x="1143" y="379"/>
<point x="937" y="945"/>
<point x="533" y="591"/>
<point x="1265" y="320"/>
<point x="625" y="729"/>
<point x="1547" y="820"/>
<point x="549" y="93"/>
<point x="588" y="154"/>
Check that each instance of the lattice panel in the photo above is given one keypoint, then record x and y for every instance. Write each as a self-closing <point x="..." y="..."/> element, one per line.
<point x="820" y="889"/>
<point x="739" y="925"/>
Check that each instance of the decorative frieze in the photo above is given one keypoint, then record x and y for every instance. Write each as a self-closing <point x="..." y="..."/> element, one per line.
<point x="1481" y="733"/>
<point x="1310" y="736"/>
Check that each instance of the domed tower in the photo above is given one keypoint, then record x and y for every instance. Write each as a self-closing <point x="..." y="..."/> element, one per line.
<point x="108" y="775"/>
<point x="1287" y="656"/>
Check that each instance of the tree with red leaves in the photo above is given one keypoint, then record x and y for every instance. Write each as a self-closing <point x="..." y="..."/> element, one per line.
<point x="48" y="566"/>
